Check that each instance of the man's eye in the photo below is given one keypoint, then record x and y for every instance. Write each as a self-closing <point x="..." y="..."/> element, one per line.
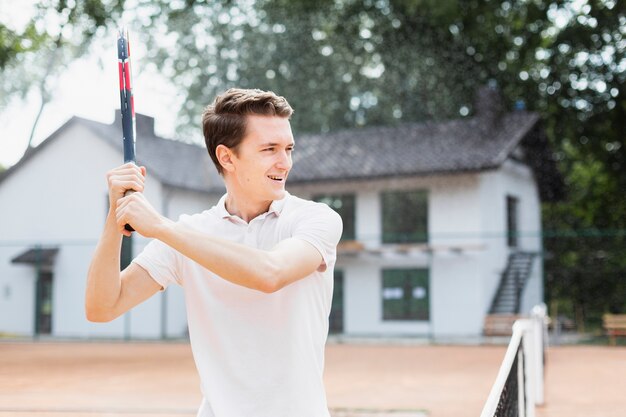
<point x="268" y="149"/>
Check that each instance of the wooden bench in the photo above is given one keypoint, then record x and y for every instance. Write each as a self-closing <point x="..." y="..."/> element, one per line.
<point x="500" y="324"/>
<point x="615" y="325"/>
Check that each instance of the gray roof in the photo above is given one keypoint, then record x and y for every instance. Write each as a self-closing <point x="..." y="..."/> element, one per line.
<point x="413" y="149"/>
<point x="410" y="149"/>
<point x="417" y="149"/>
<point x="174" y="163"/>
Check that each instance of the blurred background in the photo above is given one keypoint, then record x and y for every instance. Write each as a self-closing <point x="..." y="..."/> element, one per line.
<point x="475" y="151"/>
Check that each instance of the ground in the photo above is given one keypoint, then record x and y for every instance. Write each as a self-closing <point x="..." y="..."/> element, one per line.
<point x="54" y="379"/>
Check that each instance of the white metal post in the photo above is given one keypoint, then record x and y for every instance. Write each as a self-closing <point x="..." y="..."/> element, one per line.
<point x="539" y="324"/>
<point x="530" y="372"/>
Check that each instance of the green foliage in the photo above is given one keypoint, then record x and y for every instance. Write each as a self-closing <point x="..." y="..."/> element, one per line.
<point x="58" y="32"/>
<point x="13" y="43"/>
<point x="350" y="63"/>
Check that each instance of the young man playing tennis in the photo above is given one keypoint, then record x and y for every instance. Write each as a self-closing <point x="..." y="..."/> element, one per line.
<point x="256" y="269"/>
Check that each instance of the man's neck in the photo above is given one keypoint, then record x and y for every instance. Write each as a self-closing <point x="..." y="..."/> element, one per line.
<point x="245" y="209"/>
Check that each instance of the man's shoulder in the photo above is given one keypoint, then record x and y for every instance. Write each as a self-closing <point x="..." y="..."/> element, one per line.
<point x="304" y="207"/>
<point x="295" y="203"/>
<point x="313" y="218"/>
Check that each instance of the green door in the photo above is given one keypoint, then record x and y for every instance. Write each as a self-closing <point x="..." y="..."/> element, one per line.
<point x="336" y="310"/>
<point x="43" y="305"/>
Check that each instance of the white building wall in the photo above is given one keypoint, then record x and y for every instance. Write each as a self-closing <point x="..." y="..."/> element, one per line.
<point x="517" y="180"/>
<point x="368" y="218"/>
<point x="454" y="221"/>
<point x="493" y="226"/>
<point x="17" y="290"/>
<point x="521" y="180"/>
<point x="59" y="198"/>
<point x="363" y="312"/>
<point x="54" y="199"/>
<point x="467" y="231"/>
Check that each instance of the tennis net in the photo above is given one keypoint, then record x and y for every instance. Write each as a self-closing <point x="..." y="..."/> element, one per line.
<point x="519" y="385"/>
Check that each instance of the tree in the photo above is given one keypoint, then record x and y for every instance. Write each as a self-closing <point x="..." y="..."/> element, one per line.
<point x="351" y="63"/>
<point x="33" y="57"/>
<point x="332" y="59"/>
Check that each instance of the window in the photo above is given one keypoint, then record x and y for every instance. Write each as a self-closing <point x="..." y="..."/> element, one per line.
<point x="344" y="205"/>
<point x="405" y="294"/>
<point x="335" y="321"/>
<point x="405" y="217"/>
<point x="512" y="204"/>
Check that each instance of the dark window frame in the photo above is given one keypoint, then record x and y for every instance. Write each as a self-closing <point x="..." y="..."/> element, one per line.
<point x="512" y="221"/>
<point x="336" y="318"/>
<point x="408" y="307"/>
<point x="400" y="208"/>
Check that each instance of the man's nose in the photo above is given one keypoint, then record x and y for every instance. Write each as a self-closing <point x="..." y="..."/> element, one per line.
<point x="284" y="160"/>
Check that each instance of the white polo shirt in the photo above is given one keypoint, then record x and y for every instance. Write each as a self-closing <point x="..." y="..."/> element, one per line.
<point x="257" y="354"/>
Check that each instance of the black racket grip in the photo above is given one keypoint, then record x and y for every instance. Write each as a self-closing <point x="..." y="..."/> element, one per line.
<point x="128" y="226"/>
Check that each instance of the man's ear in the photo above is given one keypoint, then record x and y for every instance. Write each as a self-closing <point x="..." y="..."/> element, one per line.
<point x="224" y="157"/>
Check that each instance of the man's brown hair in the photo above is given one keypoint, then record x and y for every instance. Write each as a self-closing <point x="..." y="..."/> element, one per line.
<point x="224" y="121"/>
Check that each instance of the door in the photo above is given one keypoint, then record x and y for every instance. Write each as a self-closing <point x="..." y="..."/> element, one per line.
<point x="336" y="310"/>
<point x="43" y="305"/>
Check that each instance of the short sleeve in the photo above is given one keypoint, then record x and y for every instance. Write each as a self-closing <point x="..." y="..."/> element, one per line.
<point x="161" y="262"/>
<point x="321" y="227"/>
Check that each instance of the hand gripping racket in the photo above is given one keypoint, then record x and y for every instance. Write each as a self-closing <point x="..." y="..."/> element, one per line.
<point x="127" y="107"/>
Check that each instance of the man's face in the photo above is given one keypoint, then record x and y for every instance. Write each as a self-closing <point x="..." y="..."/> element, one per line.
<point x="263" y="158"/>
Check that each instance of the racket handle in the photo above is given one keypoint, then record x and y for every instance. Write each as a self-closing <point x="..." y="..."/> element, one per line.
<point x="128" y="226"/>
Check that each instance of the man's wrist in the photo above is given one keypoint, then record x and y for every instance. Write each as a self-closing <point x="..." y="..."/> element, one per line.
<point x="164" y="228"/>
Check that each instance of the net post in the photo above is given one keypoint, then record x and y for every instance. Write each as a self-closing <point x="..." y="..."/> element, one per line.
<point x="519" y="385"/>
<point x="512" y="353"/>
<point x="528" y="371"/>
<point x="522" y="407"/>
<point x="539" y="318"/>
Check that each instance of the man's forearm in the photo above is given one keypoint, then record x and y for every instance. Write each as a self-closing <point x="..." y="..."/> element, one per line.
<point x="240" y="264"/>
<point x="103" y="278"/>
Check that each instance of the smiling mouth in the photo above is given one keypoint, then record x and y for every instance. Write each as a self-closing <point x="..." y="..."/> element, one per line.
<point x="271" y="177"/>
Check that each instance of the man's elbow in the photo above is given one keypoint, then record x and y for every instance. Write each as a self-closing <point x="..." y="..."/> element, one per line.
<point x="98" y="316"/>
<point x="269" y="284"/>
<point x="269" y="287"/>
<point x="272" y="280"/>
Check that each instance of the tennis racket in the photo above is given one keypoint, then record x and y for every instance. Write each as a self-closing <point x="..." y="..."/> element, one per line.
<point x="127" y="107"/>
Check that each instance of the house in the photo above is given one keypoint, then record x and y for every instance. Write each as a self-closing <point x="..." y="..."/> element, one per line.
<point x="54" y="203"/>
<point x="442" y="222"/>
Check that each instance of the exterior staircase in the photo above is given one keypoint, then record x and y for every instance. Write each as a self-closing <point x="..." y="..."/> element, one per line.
<point x="506" y="304"/>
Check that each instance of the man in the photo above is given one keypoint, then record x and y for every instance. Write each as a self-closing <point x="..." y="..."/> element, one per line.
<point x="256" y="268"/>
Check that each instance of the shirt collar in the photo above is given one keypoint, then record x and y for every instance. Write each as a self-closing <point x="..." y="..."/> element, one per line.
<point x="276" y="207"/>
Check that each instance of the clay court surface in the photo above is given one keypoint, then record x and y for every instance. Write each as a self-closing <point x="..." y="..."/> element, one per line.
<point x="54" y="379"/>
